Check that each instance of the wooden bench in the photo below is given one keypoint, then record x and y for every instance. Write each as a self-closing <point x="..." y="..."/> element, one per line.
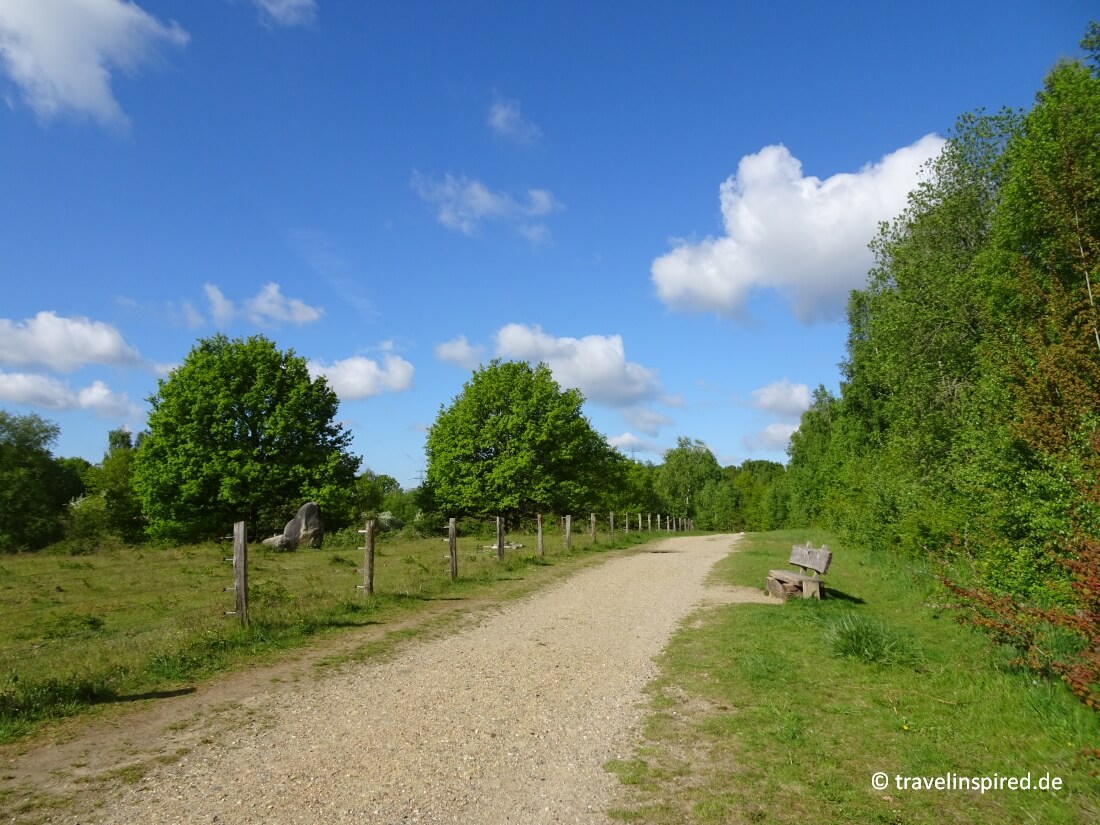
<point x="785" y="583"/>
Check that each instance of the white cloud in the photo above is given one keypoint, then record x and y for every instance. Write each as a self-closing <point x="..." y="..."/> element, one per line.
<point x="268" y="306"/>
<point x="61" y="53"/>
<point x="595" y="364"/>
<point x="63" y="344"/>
<point x="287" y="12"/>
<point x="221" y="308"/>
<point x="800" y="235"/>
<point x="506" y="119"/>
<point x="359" y="377"/>
<point x="773" y="437"/>
<point x="630" y="443"/>
<point x="460" y="352"/>
<point x="783" y="398"/>
<point x="51" y="394"/>
<point x="464" y="204"/>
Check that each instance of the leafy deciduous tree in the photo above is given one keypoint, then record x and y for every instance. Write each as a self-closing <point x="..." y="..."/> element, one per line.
<point x="514" y="443"/>
<point x="240" y="431"/>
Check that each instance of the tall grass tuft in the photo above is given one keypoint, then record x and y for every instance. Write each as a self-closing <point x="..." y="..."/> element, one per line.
<point x="870" y="640"/>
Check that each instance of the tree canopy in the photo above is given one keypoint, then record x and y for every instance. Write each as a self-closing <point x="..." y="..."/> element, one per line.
<point x="240" y="431"/>
<point x="514" y="443"/>
<point x="34" y="487"/>
<point x="687" y="469"/>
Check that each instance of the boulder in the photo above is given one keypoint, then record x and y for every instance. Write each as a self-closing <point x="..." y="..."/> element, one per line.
<point x="304" y="530"/>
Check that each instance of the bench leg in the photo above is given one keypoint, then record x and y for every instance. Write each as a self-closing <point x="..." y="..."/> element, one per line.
<point x="811" y="589"/>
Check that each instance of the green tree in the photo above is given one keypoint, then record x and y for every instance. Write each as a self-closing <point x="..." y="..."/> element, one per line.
<point x="115" y="483"/>
<point x="34" y="487"/>
<point x="686" y="470"/>
<point x="240" y="431"/>
<point x="514" y="443"/>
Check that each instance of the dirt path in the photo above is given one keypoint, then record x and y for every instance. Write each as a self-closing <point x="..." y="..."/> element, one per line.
<point x="508" y="719"/>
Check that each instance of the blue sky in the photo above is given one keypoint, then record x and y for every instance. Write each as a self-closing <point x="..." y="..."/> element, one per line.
<point x="666" y="202"/>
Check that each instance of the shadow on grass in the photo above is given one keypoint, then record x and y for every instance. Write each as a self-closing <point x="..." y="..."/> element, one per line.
<point x="832" y="594"/>
<point x="141" y="697"/>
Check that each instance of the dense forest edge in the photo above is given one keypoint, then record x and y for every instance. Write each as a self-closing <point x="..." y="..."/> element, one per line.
<point x="965" y="433"/>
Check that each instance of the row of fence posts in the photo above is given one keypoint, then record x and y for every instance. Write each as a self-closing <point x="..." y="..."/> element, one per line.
<point x="240" y="550"/>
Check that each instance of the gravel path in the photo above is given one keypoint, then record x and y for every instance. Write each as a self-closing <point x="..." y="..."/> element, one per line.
<point x="508" y="720"/>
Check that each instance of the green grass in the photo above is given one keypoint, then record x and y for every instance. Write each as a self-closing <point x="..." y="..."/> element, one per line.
<point x="777" y="714"/>
<point x="130" y="622"/>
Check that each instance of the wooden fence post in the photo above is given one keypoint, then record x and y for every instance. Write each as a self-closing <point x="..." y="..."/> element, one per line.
<point x="538" y="518"/>
<point x="240" y="571"/>
<point x="568" y="533"/>
<point x="649" y="521"/>
<point x="592" y="526"/>
<point x="452" y="546"/>
<point x="626" y="522"/>
<point x="612" y="525"/>
<point x="368" y="559"/>
<point x="639" y="522"/>
<point x="500" y="538"/>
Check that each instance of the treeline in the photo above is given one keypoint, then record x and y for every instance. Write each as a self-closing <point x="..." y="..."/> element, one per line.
<point x="241" y="432"/>
<point x="77" y="506"/>
<point x="967" y="428"/>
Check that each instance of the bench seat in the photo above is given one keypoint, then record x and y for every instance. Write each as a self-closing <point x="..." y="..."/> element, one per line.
<point x="785" y="583"/>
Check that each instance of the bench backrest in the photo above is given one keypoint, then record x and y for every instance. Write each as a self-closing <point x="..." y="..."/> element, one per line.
<point x="806" y="557"/>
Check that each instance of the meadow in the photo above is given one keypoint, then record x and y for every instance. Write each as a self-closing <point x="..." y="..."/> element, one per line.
<point x="79" y="632"/>
<point x="786" y="713"/>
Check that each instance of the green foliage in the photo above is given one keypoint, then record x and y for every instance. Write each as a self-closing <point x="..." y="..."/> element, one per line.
<point x="967" y="424"/>
<point x="686" y="470"/>
<point x="34" y="487"/>
<point x="514" y="443"/>
<point x="240" y="431"/>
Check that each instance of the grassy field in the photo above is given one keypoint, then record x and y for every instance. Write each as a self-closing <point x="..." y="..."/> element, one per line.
<point x="776" y="714"/>
<point x="81" y="631"/>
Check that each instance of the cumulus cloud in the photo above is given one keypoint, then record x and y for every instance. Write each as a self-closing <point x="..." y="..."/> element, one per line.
<point x="51" y="394"/>
<point x="63" y="344"/>
<point x="506" y="119"/>
<point x="287" y="12"/>
<point x="630" y="443"/>
<point x="360" y="377"/>
<point x="61" y="53"/>
<point x="773" y="437"/>
<point x="460" y="352"/>
<point x="464" y="204"/>
<point x="782" y="398"/>
<point x="268" y="306"/>
<point x="790" y="232"/>
<point x="595" y="364"/>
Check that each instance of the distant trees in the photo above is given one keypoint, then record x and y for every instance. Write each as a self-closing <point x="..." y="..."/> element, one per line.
<point x="687" y="469"/>
<point x="240" y="431"/>
<point x="34" y="487"/>
<point x="514" y="443"/>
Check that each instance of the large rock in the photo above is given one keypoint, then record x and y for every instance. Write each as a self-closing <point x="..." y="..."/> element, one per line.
<point x="304" y="530"/>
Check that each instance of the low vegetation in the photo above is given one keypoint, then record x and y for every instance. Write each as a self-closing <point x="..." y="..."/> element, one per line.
<point x="784" y="713"/>
<point x="128" y="622"/>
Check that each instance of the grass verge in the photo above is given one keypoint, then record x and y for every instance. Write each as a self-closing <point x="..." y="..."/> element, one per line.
<point x="784" y="713"/>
